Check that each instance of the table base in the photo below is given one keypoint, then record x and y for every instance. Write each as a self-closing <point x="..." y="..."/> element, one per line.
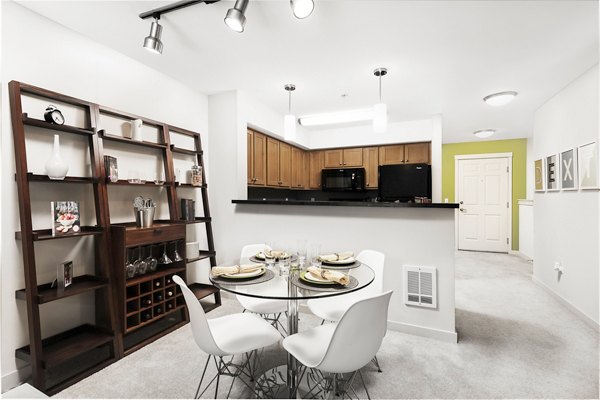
<point x="273" y="384"/>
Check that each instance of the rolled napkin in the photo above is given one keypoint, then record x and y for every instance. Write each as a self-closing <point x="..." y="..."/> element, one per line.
<point x="236" y="269"/>
<point x="336" y="256"/>
<point x="272" y="254"/>
<point x="334" y="276"/>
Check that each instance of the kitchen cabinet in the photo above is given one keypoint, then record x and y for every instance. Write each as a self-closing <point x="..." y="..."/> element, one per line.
<point x="250" y="157"/>
<point x="299" y="172"/>
<point x="393" y="154"/>
<point x="279" y="163"/>
<point x="257" y="158"/>
<point x="316" y="164"/>
<point x="336" y="158"/>
<point x="371" y="164"/>
<point x="411" y="153"/>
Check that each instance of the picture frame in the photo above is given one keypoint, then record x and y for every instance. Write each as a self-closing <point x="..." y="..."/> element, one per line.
<point x="539" y="175"/>
<point x="588" y="167"/>
<point x="552" y="173"/>
<point x="568" y="170"/>
<point x="64" y="275"/>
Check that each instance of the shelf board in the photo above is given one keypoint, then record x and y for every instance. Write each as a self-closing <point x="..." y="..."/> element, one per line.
<point x="153" y="319"/>
<point x="147" y="183"/>
<point x="31" y="177"/>
<point x="61" y="128"/>
<point x="81" y="284"/>
<point x="160" y="272"/>
<point x="202" y="290"/>
<point x="46" y="234"/>
<point x="189" y="185"/>
<point x="198" y="220"/>
<point x="204" y="254"/>
<point x="66" y="345"/>
<point x="185" y="151"/>
<point x="121" y="139"/>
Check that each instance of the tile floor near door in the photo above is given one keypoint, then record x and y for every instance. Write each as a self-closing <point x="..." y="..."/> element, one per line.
<point x="515" y="341"/>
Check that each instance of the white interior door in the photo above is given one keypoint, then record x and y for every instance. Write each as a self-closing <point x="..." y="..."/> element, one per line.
<point x="483" y="196"/>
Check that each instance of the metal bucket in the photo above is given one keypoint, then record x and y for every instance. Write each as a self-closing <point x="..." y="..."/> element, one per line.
<point x="144" y="217"/>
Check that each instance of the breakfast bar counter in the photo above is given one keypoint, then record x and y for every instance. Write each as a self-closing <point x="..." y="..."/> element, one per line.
<point x="341" y="203"/>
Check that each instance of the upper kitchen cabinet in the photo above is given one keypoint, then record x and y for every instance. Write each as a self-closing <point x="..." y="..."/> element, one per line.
<point x="411" y="153"/>
<point x="336" y="158"/>
<point x="371" y="162"/>
<point x="299" y="170"/>
<point x="257" y="158"/>
<point x="315" y="165"/>
<point x="279" y="163"/>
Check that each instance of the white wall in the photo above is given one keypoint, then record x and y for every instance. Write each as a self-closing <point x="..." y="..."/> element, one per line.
<point x="399" y="233"/>
<point x="79" y="67"/>
<point x="566" y="223"/>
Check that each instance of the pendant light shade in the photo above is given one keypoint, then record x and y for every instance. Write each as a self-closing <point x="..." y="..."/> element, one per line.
<point x="152" y="42"/>
<point x="289" y="121"/>
<point x="380" y="109"/>
<point x="235" y="18"/>
<point x="302" y="8"/>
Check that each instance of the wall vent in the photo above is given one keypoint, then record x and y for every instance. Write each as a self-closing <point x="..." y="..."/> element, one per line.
<point x="420" y="286"/>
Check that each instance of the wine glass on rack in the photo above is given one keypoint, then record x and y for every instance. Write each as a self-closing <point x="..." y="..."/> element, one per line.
<point x="141" y="265"/>
<point x="151" y="262"/>
<point x="176" y="256"/>
<point x="164" y="259"/>
<point x="129" y="266"/>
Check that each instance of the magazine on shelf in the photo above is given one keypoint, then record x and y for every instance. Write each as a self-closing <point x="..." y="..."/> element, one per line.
<point x="65" y="217"/>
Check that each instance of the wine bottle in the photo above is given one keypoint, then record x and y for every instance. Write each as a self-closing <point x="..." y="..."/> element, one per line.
<point x="169" y="306"/>
<point x="157" y="283"/>
<point x="158" y="297"/>
<point x="169" y="293"/>
<point x="146" y="316"/>
<point x="147" y="302"/>
<point x="158" y="310"/>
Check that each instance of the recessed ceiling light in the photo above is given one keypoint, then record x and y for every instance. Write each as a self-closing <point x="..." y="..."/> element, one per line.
<point x="484" y="133"/>
<point x="500" y="99"/>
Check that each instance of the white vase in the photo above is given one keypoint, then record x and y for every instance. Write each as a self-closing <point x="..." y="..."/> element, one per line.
<point x="56" y="167"/>
<point x="136" y="130"/>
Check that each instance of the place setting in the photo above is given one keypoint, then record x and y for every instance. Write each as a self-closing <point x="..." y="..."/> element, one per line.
<point x="242" y="274"/>
<point x="329" y="278"/>
<point x="272" y="254"/>
<point x="342" y="260"/>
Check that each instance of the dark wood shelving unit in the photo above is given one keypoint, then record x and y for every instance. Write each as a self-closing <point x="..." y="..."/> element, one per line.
<point x="203" y="254"/>
<point x="69" y="356"/>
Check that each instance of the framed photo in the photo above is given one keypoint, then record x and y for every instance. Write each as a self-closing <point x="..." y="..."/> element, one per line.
<point x="552" y="172"/>
<point x="587" y="156"/>
<point x="64" y="275"/>
<point x="568" y="170"/>
<point x="539" y="175"/>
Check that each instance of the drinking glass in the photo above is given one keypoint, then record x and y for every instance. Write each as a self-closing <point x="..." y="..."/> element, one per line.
<point x="151" y="262"/>
<point x="140" y="264"/>
<point x="164" y="259"/>
<point x="284" y="267"/>
<point x="314" y="255"/>
<point x="301" y="252"/>
<point x="160" y="178"/>
<point x="129" y="267"/>
<point x="134" y="176"/>
<point x="176" y="256"/>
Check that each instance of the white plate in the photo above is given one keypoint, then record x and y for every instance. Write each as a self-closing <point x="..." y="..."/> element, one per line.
<point x="340" y="262"/>
<point x="309" y="276"/>
<point x="245" y="274"/>
<point x="261" y="256"/>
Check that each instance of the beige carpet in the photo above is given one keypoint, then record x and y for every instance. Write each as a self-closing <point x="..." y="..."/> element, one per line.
<point x="516" y="341"/>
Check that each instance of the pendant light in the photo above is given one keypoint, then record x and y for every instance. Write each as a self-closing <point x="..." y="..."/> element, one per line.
<point x="302" y="8"/>
<point x="152" y="42"/>
<point x="380" y="109"/>
<point x="289" y="121"/>
<point x="235" y="18"/>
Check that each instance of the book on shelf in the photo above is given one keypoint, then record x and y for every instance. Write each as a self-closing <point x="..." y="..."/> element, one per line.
<point x="110" y="166"/>
<point x="65" y="217"/>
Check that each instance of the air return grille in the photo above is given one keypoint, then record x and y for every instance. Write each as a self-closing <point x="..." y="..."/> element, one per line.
<point x="420" y="286"/>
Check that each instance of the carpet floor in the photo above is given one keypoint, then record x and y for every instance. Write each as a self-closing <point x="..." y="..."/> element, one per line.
<point x="515" y="341"/>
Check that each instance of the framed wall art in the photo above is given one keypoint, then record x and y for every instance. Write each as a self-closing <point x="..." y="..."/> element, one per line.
<point x="587" y="156"/>
<point x="568" y="170"/>
<point x="538" y="166"/>
<point x="552" y="173"/>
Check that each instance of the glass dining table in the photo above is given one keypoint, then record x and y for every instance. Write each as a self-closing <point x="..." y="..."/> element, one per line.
<point x="282" y="382"/>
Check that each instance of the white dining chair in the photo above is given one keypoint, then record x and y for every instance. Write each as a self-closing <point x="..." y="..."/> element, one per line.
<point x="230" y="335"/>
<point x="269" y="309"/>
<point x="344" y="347"/>
<point x="332" y="308"/>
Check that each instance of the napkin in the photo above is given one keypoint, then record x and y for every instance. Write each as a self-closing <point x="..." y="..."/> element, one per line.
<point x="336" y="256"/>
<point x="334" y="276"/>
<point x="236" y="269"/>
<point x="272" y="254"/>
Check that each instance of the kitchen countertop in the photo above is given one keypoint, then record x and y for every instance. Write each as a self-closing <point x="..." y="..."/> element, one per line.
<point x="346" y="203"/>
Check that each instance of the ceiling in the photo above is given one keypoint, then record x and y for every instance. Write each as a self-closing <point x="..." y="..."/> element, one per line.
<point x="443" y="56"/>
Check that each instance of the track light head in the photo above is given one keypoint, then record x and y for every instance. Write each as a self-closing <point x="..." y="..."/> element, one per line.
<point x="235" y="18"/>
<point x="302" y="8"/>
<point x="152" y="42"/>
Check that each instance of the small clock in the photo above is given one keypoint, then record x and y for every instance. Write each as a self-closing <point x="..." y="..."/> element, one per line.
<point x="53" y="115"/>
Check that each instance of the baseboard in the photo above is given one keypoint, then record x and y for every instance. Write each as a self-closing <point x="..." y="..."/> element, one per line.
<point x="593" y="324"/>
<point x="15" y="378"/>
<point x="438" y="334"/>
<point x="519" y="254"/>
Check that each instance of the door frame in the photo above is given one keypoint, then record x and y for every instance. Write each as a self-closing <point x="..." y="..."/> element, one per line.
<point x="509" y="157"/>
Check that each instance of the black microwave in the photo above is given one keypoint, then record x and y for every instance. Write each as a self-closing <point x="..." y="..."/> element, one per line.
<point x="343" y="180"/>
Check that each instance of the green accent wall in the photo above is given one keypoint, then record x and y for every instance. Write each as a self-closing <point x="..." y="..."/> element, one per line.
<point x="518" y="148"/>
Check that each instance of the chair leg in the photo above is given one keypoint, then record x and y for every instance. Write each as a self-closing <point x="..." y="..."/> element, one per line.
<point x="364" y="385"/>
<point x="218" y="376"/>
<point x="202" y="378"/>
<point x="376" y="362"/>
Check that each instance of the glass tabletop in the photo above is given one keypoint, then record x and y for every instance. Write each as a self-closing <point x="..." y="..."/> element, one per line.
<point x="273" y="285"/>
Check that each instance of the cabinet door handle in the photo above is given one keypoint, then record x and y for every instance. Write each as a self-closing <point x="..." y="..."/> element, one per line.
<point x="367" y="183"/>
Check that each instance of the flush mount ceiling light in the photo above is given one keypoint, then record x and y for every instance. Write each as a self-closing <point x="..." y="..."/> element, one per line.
<point x="235" y="18"/>
<point x="484" y="133"/>
<point x="500" y="99"/>
<point x="289" y="121"/>
<point x="302" y="8"/>
<point x="152" y="42"/>
<point x="339" y="117"/>
<point x="380" y="109"/>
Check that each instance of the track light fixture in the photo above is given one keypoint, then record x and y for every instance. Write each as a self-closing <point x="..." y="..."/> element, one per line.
<point x="152" y="42"/>
<point x="380" y="109"/>
<point x="302" y="8"/>
<point x="235" y="18"/>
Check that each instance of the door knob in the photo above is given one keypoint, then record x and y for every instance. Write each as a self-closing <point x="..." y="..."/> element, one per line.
<point x="463" y="209"/>
<point x="460" y="202"/>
